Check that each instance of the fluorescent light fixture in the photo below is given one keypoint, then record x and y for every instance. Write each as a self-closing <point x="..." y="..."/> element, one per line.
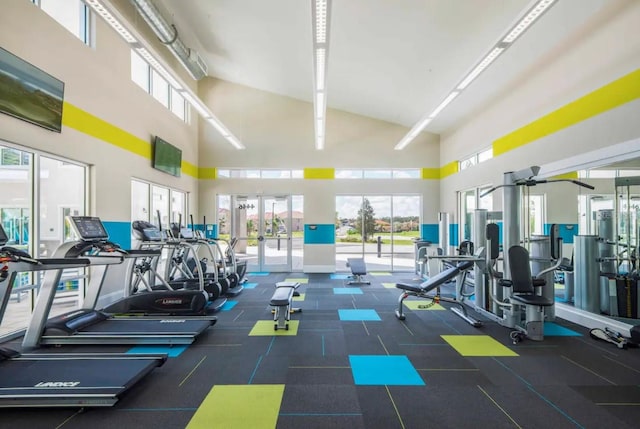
<point x="320" y="13"/>
<point x="404" y="142"/>
<point x="111" y="20"/>
<point x="224" y="132"/>
<point x="534" y="14"/>
<point x="159" y="68"/>
<point x="196" y="104"/>
<point x="417" y="129"/>
<point x="320" y="109"/>
<point x="321" y="21"/>
<point x="444" y="104"/>
<point x="99" y="7"/>
<point x="480" y="67"/>
<point x="512" y="34"/>
<point x="234" y="141"/>
<point x="320" y="66"/>
<point x="218" y="126"/>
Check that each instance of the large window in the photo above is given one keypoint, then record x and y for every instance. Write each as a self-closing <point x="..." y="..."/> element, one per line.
<point x="154" y="84"/>
<point x="469" y="201"/>
<point x="148" y="199"/>
<point x="379" y="228"/>
<point x="61" y="191"/>
<point x="71" y="14"/>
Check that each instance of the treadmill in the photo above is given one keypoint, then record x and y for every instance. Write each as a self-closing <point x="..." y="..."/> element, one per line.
<point x="61" y="379"/>
<point x="89" y="325"/>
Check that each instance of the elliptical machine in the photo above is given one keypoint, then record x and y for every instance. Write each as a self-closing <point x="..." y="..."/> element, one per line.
<point x="178" y="276"/>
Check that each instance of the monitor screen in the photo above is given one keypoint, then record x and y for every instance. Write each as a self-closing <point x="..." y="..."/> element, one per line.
<point x="88" y="227"/>
<point x="167" y="157"/>
<point x="30" y="94"/>
<point x="3" y="236"/>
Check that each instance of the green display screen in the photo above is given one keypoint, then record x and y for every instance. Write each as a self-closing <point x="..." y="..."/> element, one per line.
<point x="30" y="94"/>
<point x="166" y="157"/>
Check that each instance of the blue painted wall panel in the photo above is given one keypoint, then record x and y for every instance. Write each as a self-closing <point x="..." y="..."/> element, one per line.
<point x="319" y="233"/>
<point x="429" y="232"/>
<point x="567" y="231"/>
<point x="453" y="234"/>
<point x="119" y="232"/>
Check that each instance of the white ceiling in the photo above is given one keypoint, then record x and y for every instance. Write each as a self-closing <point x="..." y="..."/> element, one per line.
<point x="393" y="60"/>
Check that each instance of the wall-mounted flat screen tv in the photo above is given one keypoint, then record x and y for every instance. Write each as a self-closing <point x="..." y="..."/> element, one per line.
<point x="166" y="157"/>
<point x="30" y="94"/>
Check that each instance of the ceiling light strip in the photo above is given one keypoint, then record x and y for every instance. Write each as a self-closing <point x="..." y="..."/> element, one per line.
<point x="111" y="20"/>
<point x="513" y="33"/>
<point x="444" y="104"/>
<point x="196" y="104"/>
<point x="320" y="68"/>
<point x="534" y="14"/>
<point x="480" y="67"/>
<point x="103" y="8"/>
<point x="320" y="22"/>
<point x="159" y="68"/>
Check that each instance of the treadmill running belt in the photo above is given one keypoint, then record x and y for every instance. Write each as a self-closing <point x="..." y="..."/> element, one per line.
<point x="71" y="377"/>
<point x="148" y="327"/>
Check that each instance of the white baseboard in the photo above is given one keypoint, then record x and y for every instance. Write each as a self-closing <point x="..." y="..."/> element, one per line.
<point x="591" y="320"/>
<point x="319" y="269"/>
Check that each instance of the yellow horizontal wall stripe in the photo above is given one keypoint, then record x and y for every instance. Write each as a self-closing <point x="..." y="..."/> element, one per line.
<point x="189" y="169"/>
<point x="571" y="175"/>
<point x="449" y="169"/>
<point x="616" y="93"/>
<point x="85" y="122"/>
<point x="207" y="173"/>
<point x="78" y="119"/>
<point x="319" y="173"/>
<point x="430" y="173"/>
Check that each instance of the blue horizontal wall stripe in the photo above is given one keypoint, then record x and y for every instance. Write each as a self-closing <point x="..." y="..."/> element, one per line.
<point x="211" y="231"/>
<point x="453" y="234"/>
<point x="429" y="232"/>
<point x="119" y="232"/>
<point x="500" y="231"/>
<point x="567" y="231"/>
<point x="319" y="233"/>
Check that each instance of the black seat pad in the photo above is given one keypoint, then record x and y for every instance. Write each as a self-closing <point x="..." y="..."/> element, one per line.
<point x="532" y="300"/>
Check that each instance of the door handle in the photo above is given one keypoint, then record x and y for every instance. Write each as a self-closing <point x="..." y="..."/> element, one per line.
<point x="260" y="238"/>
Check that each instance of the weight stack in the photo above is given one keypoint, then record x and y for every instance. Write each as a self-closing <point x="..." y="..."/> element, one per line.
<point x="627" y="296"/>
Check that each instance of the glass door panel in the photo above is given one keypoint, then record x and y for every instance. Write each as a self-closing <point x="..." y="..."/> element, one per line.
<point x="349" y="243"/>
<point x="405" y="230"/>
<point x="263" y="227"/>
<point x="374" y="221"/>
<point x="297" y="232"/>
<point x="275" y="245"/>
<point x="246" y="225"/>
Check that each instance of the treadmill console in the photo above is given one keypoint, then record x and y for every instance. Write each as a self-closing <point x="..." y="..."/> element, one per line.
<point x="152" y="234"/>
<point x="186" y="233"/>
<point x="88" y="228"/>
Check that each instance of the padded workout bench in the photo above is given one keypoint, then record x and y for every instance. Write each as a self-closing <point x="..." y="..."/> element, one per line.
<point x="281" y="301"/>
<point x="358" y="269"/>
<point x="422" y="291"/>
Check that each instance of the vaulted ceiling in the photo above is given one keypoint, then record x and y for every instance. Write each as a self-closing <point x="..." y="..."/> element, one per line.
<point x="394" y="60"/>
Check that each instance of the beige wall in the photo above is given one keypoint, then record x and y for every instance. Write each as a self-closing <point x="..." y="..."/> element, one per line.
<point x="605" y="51"/>
<point x="97" y="80"/>
<point x="278" y="133"/>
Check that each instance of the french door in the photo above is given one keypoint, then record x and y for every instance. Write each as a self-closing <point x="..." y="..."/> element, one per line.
<point x="263" y="227"/>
